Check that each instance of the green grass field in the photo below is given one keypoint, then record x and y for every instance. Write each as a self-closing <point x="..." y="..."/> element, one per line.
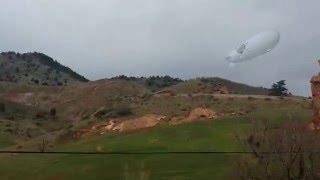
<point x="217" y="135"/>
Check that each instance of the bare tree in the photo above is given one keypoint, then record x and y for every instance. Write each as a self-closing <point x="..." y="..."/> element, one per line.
<point x="288" y="152"/>
<point x="42" y="146"/>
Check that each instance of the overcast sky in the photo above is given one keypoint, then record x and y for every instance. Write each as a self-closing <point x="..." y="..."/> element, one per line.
<point x="181" y="38"/>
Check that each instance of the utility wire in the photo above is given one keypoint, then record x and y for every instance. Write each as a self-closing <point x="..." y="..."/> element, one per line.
<point x="147" y="152"/>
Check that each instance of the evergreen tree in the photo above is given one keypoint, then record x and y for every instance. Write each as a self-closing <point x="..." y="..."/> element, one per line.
<point x="279" y="89"/>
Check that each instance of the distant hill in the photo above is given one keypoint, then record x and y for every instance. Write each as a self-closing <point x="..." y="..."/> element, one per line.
<point x="198" y="85"/>
<point x="235" y="87"/>
<point x="215" y="85"/>
<point x="39" y="69"/>
<point x="153" y="83"/>
<point x="35" y="69"/>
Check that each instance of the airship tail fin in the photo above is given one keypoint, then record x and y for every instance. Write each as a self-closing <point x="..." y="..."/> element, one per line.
<point x="231" y="65"/>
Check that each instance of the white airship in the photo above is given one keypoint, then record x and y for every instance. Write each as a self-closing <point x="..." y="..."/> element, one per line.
<point x="256" y="46"/>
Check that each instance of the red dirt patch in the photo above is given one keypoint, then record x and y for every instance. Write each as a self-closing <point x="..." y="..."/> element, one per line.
<point x="194" y="115"/>
<point x="146" y="121"/>
<point x="114" y="125"/>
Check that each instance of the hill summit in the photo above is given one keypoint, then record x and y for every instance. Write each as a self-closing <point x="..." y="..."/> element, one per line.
<point x="35" y="69"/>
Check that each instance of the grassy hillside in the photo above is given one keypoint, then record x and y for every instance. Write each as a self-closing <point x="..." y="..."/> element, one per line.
<point x="83" y="105"/>
<point x="20" y="123"/>
<point x="212" y="85"/>
<point x="198" y="85"/>
<point x="35" y="69"/>
<point x="154" y="83"/>
<point x="234" y="87"/>
<point x="30" y="112"/>
<point x="31" y="115"/>
<point x="10" y="87"/>
<point x="217" y="135"/>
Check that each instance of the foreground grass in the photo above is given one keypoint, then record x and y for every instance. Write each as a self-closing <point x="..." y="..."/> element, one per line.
<point x="202" y="166"/>
<point x="216" y="135"/>
<point x="205" y="136"/>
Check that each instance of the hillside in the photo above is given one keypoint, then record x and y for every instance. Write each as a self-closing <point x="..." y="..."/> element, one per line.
<point x="198" y="85"/>
<point x="134" y="114"/>
<point x="153" y="83"/>
<point x="214" y="86"/>
<point x="35" y="69"/>
<point x="44" y="109"/>
<point x="125" y="114"/>
<point x="203" y="135"/>
<point x="235" y="87"/>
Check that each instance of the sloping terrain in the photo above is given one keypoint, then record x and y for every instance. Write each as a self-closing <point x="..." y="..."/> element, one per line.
<point x="215" y="85"/>
<point x="156" y="114"/>
<point x="198" y="85"/>
<point x="153" y="83"/>
<point x="61" y="109"/>
<point x="235" y="87"/>
<point x="217" y="135"/>
<point x="35" y="69"/>
<point x="80" y="99"/>
<point x="75" y="108"/>
<point x="20" y="123"/>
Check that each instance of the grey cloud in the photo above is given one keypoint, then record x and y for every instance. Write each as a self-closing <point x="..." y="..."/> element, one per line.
<point x="183" y="38"/>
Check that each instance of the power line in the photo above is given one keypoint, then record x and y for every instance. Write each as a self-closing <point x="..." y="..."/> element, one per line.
<point x="147" y="152"/>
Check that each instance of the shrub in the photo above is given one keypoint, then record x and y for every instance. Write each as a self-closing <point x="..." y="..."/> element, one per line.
<point x="40" y="115"/>
<point x="2" y="107"/>
<point x="38" y="123"/>
<point x="123" y="110"/>
<point x="36" y="81"/>
<point x="53" y="112"/>
<point x="8" y="130"/>
<point x="10" y="117"/>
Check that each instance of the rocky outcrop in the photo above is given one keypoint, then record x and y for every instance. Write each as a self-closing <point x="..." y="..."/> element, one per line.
<point x="198" y="114"/>
<point x="201" y="113"/>
<point x="146" y="121"/>
<point x="118" y="125"/>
